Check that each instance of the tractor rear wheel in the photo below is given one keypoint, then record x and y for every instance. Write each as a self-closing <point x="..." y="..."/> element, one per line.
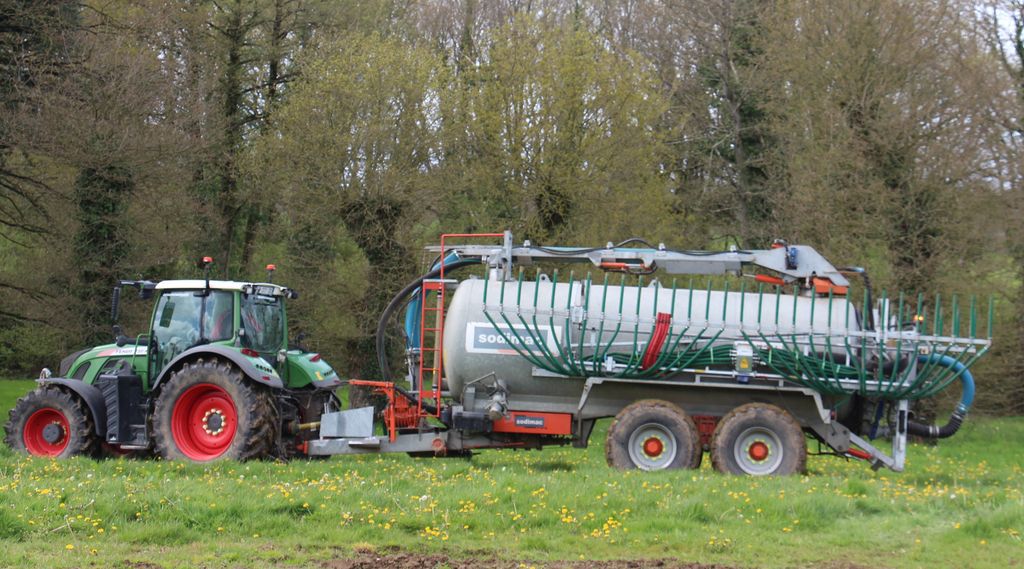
<point x="209" y="411"/>
<point x="653" y="435"/>
<point x="49" y="421"/>
<point x="759" y="439"/>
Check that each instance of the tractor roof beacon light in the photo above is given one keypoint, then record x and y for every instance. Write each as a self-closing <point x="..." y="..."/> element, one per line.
<point x="270" y="272"/>
<point x="206" y="264"/>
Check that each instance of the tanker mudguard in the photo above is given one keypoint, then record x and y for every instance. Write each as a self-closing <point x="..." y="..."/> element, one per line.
<point x="244" y="363"/>
<point x="90" y="394"/>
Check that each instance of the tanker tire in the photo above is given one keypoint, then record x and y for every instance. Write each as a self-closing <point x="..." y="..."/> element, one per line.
<point x="60" y="406"/>
<point x="212" y="384"/>
<point x="759" y="439"/>
<point x="653" y="435"/>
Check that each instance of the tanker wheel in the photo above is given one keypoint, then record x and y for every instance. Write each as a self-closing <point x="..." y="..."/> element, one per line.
<point x="209" y="411"/>
<point x="653" y="435"/>
<point x="49" y="421"/>
<point x="759" y="439"/>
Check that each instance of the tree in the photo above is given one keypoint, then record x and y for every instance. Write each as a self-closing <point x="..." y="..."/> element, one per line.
<point x="882" y="147"/>
<point x="348" y="154"/>
<point x="1003" y="24"/>
<point x="32" y="50"/>
<point x="549" y="134"/>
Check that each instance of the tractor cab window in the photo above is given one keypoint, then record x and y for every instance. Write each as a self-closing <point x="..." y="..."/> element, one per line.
<point x="184" y="318"/>
<point x="263" y="322"/>
<point x="218" y="316"/>
<point x="176" y="324"/>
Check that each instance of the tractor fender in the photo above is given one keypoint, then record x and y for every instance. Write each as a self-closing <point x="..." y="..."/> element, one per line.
<point x="243" y="362"/>
<point x="90" y="394"/>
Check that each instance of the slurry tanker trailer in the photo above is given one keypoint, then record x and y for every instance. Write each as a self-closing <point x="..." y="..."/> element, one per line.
<point x="523" y="358"/>
<point x="741" y="354"/>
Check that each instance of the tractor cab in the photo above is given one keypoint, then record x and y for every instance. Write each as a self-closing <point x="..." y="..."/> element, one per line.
<point x="249" y="317"/>
<point x="244" y="323"/>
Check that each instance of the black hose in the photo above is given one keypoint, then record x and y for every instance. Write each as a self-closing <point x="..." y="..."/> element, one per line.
<point x="935" y="431"/>
<point x="398" y="301"/>
<point x="960" y="413"/>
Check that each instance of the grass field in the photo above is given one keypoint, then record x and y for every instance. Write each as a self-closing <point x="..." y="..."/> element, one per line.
<point x="960" y="504"/>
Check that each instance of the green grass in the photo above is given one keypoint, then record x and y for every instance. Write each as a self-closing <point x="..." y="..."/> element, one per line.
<point x="960" y="504"/>
<point x="10" y="391"/>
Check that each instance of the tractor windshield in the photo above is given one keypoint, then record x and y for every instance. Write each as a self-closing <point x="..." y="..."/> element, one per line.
<point x="263" y="322"/>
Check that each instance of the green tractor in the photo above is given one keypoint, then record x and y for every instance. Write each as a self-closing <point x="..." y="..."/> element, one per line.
<point x="213" y="378"/>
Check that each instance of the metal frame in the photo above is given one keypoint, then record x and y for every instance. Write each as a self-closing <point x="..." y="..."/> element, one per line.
<point x="792" y="261"/>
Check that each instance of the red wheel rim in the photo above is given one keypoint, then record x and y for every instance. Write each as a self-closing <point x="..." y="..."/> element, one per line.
<point x="758" y="451"/>
<point x="653" y="447"/>
<point x="35" y="435"/>
<point x="204" y="422"/>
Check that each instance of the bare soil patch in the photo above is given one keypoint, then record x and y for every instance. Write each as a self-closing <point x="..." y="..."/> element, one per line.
<point x="367" y="560"/>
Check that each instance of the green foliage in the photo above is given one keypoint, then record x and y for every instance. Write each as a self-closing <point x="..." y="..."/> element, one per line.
<point x="866" y="136"/>
<point x="347" y="162"/>
<point x="331" y="274"/>
<point x="30" y="347"/>
<point x="101" y="244"/>
<point x="547" y="133"/>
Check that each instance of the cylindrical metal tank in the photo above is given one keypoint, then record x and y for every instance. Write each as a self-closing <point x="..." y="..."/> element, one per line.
<point x="487" y="320"/>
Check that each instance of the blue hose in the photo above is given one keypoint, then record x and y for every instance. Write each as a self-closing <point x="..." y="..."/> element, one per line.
<point x="966" y="399"/>
<point x="412" y="310"/>
<point x="966" y="379"/>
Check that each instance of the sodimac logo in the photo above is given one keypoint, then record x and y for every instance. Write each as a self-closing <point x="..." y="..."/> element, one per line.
<point x="485" y="338"/>
<point x="529" y="422"/>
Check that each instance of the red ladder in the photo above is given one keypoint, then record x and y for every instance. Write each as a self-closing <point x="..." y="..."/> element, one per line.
<point x="431" y="350"/>
<point x="433" y="372"/>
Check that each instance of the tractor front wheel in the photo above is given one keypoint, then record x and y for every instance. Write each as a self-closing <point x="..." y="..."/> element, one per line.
<point x="208" y="411"/>
<point x="49" y="421"/>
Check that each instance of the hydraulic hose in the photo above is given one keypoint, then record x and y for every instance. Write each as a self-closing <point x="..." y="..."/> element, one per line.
<point x="960" y="413"/>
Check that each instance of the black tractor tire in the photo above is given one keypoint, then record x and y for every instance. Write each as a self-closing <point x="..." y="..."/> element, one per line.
<point x="209" y="411"/>
<point x="759" y="439"/>
<point x="653" y="435"/>
<point x="310" y="407"/>
<point x="52" y="422"/>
